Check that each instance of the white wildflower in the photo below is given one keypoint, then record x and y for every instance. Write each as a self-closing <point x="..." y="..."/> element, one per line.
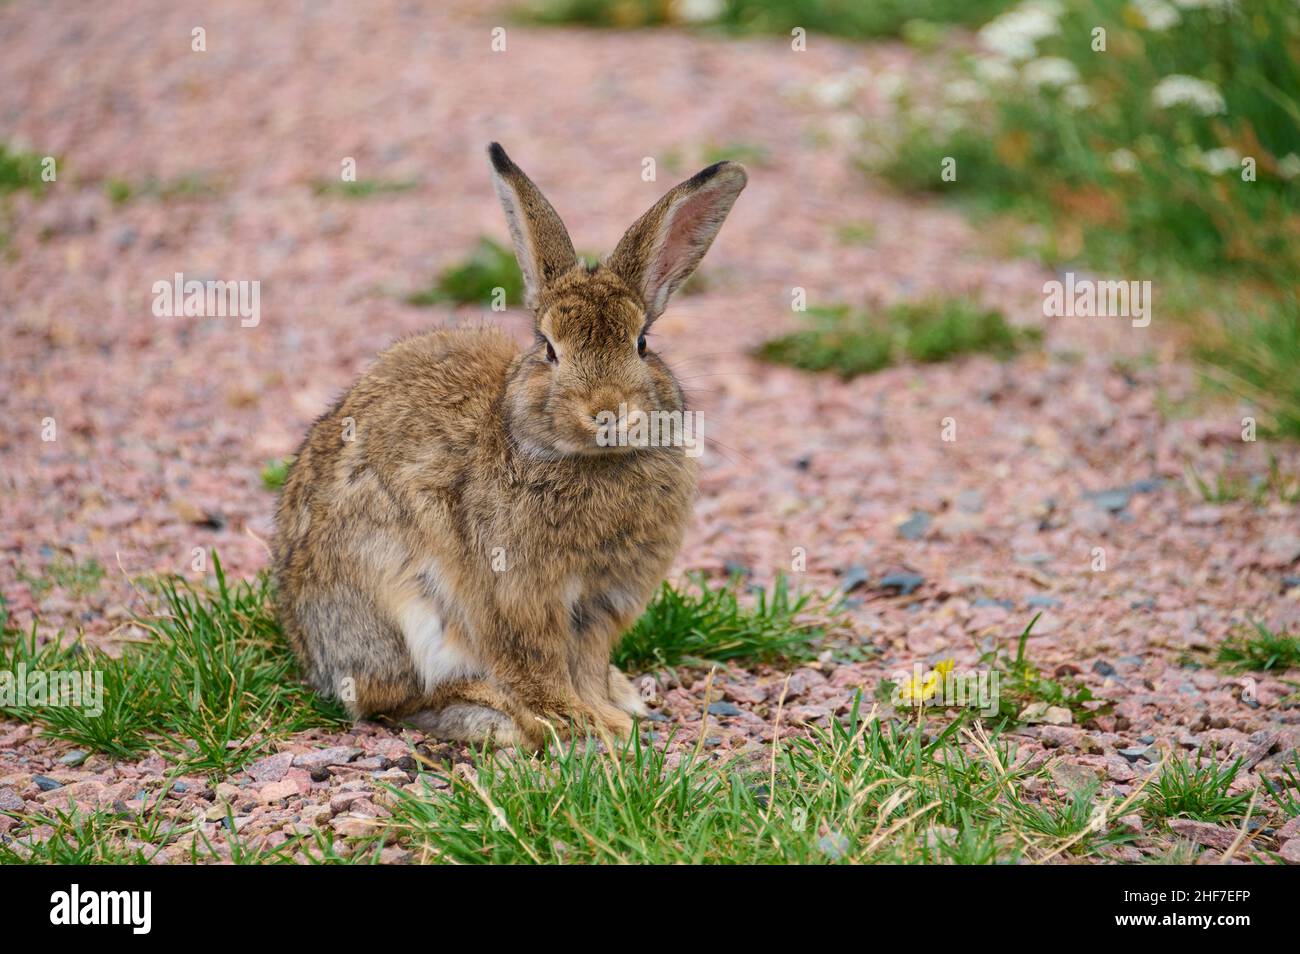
<point x="699" y="11"/>
<point x="1122" y="161"/>
<point x="1051" y="71"/>
<point x="1157" y="14"/>
<point x="1218" y="161"/>
<point x="836" y="90"/>
<point x="994" y="69"/>
<point x="1288" y="167"/>
<point x="1204" y="4"/>
<point x="1015" y="34"/>
<point x="890" y="85"/>
<point x="1177" y="89"/>
<point x="1077" y="97"/>
<point x="962" y="91"/>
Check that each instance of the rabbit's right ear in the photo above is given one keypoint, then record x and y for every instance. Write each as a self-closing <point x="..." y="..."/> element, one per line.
<point x="542" y="243"/>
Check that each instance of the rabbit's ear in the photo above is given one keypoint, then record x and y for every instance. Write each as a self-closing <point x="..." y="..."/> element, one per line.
<point x="542" y="243"/>
<point x="660" y="251"/>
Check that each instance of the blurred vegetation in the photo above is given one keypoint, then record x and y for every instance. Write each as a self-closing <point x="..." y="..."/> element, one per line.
<point x="363" y="188"/>
<point x="489" y="266"/>
<point x="1171" y="155"/>
<point x="20" y="170"/>
<point x="192" y="185"/>
<point x="847" y="18"/>
<point x="852" y="343"/>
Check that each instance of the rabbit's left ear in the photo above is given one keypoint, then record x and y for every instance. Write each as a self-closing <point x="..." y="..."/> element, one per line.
<point x="542" y="244"/>
<point x="663" y="247"/>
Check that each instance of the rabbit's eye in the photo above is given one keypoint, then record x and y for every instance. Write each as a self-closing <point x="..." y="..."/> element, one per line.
<point x="640" y="346"/>
<point x="550" y="353"/>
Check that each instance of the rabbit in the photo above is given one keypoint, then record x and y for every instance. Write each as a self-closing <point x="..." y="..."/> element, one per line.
<point x="460" y="541"/>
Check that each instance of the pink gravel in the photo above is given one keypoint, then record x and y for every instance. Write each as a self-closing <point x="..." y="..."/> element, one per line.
<point x="164" y="424"/>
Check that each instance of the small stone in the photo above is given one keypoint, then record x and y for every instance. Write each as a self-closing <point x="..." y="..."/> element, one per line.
<point x="1136" y="752"/>
<point x="342" y="801"/>
<point x="853" y="577"/>
<point x="802" y="715"/>
<point x="10" y="801"/>
<point x="1058" y="736"/>
<point x="1203" y="833"/>
<point x="1058" y="715"/>
<point x="1130" y="823"/>
<point x="272" y="768"/>
<point x="1103" y="668"/>
<point x="724" y="709"/>
<point x="75" y="757"/>
<point x="915" y="526"/>
<point x="904" y="582"/>
<point x="318" y="758"/>
<point x="1112" y="501"/>
<point x="1072" y="777"/>
<point x="1290" y="851"/>
<point x="970" y="501"/>
<point x="355" y="826"/>
<point x="276" y="791"/>
<point x="1043" y="602"/>
<point x="834" y="845"/>
<point x="45" y="783"/>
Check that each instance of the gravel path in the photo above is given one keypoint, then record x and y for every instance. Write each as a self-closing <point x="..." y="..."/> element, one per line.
<point x="164" y="423"/>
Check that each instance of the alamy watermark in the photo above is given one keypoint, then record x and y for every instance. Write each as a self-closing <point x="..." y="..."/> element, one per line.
<point x="1088" y="298"/>
<point x="24" y="688"/>
<point x="638" y="428"/>
<point x="209" y="299"/>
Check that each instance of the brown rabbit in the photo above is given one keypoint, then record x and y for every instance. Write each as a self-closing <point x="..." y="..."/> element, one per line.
<point x="461" y="540"/>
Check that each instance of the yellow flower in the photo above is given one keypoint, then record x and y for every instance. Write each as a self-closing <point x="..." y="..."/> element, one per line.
<point x="917" y="691"/>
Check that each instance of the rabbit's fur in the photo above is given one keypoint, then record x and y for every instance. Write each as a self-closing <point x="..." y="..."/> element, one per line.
<point x="453" y="546"/>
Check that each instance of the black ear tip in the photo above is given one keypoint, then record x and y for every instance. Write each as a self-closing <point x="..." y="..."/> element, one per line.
<point x="707" y="173"/>
<point x="500" y="161"/>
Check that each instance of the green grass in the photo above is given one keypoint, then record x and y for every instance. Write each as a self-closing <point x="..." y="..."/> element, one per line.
<point x="1259" y="489"/>
<point x="1196" y="789"/>
<point x="275" y="473"/>
<point x="848" y="18"/>
<point x="851" y="343"/>
<point x="215" y="683"/>
<point x="1252" y="348"/>
<point x="363" y="188"/>
<point x="1285" y="787"/>
<point x="79" y="579"/>
<point x="473" y="281"/>
<point x="1126" y="183"/>
<point x="20" y="171"/>
<point x="706" y="623"/>
<point x="194" y="185"/>
<point x="1262" y="651"/>
<point x="748" y="153"/>
<point x="212" y="688"/>
<point x="861" y="790"/>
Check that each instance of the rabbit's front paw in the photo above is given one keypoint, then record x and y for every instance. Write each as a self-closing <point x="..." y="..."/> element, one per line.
<point x="625" y="696"/>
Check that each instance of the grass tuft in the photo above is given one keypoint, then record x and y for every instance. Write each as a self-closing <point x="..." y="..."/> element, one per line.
<point x="852" y="343"/>
<point x="847" y="18"/>
<point x="275" y="473"/>
<point x="1263" y="651"/>
<point x="212" y="689"/>
<point x="363" y="188"/>
<point x="474" y="281"/>
<point x="20" y="171"/>
<point x="1196" y="789"/>
<point x="703" y="623"/>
